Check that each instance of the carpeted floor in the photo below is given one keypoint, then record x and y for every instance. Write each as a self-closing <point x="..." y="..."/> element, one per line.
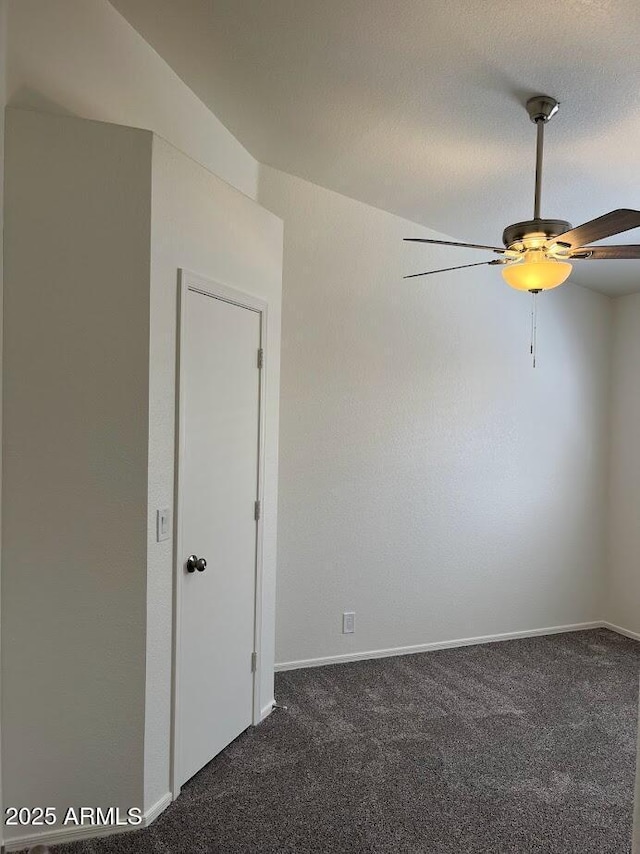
<point x="510" y="748"/>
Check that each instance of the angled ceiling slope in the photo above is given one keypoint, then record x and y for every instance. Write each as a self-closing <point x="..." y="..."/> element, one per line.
<point x="416" y="107"/>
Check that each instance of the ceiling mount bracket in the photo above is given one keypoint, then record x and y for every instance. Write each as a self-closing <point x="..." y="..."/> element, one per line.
<point x="541" y="108"/>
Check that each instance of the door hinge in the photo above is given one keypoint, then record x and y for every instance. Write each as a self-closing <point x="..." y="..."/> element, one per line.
<point x="256" y="510"/>
<point x="254" y="662"/>
<point x="260" y="358"/>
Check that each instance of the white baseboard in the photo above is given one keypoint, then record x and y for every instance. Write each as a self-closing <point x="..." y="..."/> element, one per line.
<point x="265" y="711"/>
<point x="429" y="647"/>
<point x="620" y="631"/>
<point x="159" y="807"/>
<point x="57" y="836"/>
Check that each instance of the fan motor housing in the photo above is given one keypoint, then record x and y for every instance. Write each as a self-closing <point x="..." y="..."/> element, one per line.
<point x="549" y="228"/>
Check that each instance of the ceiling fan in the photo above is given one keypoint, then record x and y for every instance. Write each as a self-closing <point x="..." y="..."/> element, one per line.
<point x="537" y="253"/>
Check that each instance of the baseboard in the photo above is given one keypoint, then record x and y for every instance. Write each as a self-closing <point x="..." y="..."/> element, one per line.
<point x="60" y="835"/>
<point x="265" y="711"/>
<point x="159" y="807"/>
<point x="429" y="647"/>
<point x="620" y="631"/>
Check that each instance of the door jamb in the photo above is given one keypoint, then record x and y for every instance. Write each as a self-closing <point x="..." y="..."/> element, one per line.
<point x="188" y="281"/>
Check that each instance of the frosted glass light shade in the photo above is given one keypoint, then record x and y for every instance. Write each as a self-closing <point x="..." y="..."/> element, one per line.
<point x="536" y="275"/>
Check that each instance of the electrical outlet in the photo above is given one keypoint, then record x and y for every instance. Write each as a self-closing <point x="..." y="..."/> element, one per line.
<point x="348" y="622"/>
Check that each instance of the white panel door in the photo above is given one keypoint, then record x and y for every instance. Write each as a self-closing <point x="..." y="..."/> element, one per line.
<point x="220" y="412"/>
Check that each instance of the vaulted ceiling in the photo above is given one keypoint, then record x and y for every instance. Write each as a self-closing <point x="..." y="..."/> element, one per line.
<point x="416" y="106"/>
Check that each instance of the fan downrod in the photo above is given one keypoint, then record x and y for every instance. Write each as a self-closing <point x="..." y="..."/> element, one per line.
<point x="540" y="108"/>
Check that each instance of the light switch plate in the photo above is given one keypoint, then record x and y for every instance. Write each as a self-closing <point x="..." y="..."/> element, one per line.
<point x="348" y="622"/>
<point x="163" y="524"/>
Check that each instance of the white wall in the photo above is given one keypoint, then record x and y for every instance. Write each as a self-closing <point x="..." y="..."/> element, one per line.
<point x="624" y="532"/>
<point x="430" y="479"/>
<point x="89" y="398"/>
<point x="201" y="224"/>
<point x="75" y="431"/>
<point x="84" y="58"/>
<point x="623" y="581"/>
<point x="3" y="98"/>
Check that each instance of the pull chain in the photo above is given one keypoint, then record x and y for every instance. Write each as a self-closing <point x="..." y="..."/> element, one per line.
<point x="534" y="325"/>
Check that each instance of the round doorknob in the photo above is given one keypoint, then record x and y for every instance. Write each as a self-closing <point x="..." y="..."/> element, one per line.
<point x="194" y="562"/>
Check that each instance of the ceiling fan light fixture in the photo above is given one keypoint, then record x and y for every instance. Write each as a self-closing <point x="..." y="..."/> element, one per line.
<point x="536" y="273"/>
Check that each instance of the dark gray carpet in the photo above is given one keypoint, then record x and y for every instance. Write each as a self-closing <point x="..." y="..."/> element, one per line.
<point x="509" y="748"/>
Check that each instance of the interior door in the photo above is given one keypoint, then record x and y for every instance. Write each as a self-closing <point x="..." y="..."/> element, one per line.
<point x="220" y="412"/>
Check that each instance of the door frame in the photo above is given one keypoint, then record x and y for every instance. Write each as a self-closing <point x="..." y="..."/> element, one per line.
<point x="188" y="281"/>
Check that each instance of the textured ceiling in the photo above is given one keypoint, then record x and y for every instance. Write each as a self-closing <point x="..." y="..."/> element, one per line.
<point x="416" y="106"/>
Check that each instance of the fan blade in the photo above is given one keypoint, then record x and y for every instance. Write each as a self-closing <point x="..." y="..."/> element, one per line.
<point x="611" y="223"/>
<point x="461" y="267"/>
<point x="604" y="253"/>
<point x="451" y="243"/>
